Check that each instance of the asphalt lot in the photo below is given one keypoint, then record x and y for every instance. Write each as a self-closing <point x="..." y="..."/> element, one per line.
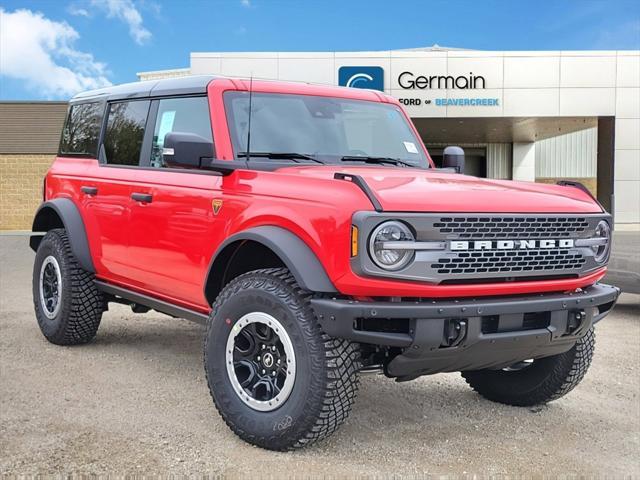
<point x="624" y="265"/>
<point x="135" y="401"/>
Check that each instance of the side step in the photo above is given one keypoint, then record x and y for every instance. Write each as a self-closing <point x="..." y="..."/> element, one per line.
<point x="153" y="303"/>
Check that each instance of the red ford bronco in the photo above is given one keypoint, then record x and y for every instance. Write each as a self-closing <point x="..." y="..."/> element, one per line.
<point x="310" y="231"/>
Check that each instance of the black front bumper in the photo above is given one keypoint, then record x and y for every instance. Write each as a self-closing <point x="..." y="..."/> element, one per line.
<point x="469" y="334"/>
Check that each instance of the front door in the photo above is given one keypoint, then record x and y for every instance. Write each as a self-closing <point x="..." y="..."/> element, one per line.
<point x="173" y="224"/>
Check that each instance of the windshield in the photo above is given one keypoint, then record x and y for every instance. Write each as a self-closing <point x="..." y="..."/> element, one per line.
<point x="329" y="129"/>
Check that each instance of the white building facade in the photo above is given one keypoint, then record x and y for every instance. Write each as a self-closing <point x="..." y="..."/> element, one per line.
<point x="536" y="116"/>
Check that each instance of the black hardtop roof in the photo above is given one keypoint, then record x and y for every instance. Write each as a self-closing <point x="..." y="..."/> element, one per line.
<point x="195" y="84"/>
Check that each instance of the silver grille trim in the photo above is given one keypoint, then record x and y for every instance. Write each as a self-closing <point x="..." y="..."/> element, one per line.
<point x="488" y="227"/>
<point x="436" y="261"/>
<point x="414" y="245"/>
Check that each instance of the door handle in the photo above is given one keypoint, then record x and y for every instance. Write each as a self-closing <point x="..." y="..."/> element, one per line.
<point x="89" y="190"/>
<point x="142" y="197"/>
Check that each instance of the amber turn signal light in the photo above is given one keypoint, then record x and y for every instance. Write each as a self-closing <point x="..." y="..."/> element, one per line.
<point x="354" y="240"/>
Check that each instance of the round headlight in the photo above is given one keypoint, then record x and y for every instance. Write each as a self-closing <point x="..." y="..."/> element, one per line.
<point x="390" y="258"/>
<point x="601" y="252"/>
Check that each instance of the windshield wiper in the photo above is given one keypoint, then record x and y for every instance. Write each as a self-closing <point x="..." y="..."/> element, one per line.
<point x="281" y="156"/>
<point x="366" y="159"/>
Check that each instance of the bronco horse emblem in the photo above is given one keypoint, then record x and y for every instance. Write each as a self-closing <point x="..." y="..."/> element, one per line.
<point x="217" y="205"/>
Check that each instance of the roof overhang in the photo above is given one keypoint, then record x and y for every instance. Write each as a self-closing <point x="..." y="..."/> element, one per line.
<point x="499" y="129"/>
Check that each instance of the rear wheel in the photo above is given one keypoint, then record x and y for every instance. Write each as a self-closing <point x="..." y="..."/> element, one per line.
<point x="277" y="380"/>
<point x="67" y="304"/>
<point x="538" y="381"/>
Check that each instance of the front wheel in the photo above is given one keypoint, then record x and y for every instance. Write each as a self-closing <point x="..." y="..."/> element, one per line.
<point x="538" y="381"/>
<point x="278" y="381"/>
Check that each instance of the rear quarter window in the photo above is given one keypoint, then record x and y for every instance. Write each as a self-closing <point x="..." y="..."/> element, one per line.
<point x="82" y="129"/>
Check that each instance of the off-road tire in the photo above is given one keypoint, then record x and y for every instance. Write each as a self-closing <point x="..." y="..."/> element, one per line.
<point x="545" y="380"/>
<point x="79" y="316"/>
<point x="326" y="379"/>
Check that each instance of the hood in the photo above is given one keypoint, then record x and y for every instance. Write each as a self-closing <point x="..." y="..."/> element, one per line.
<point x="413" y="190"/>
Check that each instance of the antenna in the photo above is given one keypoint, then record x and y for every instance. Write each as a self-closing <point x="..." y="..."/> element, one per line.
<point x="248" y="157"/>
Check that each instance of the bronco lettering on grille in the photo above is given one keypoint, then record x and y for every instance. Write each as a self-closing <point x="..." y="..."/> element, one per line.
<point x="510" y="244"/>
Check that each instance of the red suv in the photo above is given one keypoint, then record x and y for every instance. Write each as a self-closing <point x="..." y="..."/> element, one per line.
<point x="308" y="228"/>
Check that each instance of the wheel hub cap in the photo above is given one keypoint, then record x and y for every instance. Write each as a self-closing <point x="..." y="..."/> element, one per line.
<point x="267" y="360"/>
<point x="260" y="361"/>
<point x="50" y="287"/>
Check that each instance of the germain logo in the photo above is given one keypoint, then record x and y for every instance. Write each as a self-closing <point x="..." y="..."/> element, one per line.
<point x="361" y="77"/>
<point x="510" y="244"/>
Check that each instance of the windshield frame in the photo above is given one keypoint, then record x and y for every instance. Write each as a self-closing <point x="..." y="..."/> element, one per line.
<point x="424" y="161"/>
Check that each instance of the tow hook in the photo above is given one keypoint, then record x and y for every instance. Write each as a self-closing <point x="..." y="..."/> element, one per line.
<point x="454" y="332"/>
<point x="575" y="319"/>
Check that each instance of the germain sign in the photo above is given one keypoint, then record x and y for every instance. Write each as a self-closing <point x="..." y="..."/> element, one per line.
<point x="372" y="77"/>
<point x="408" y="80"/>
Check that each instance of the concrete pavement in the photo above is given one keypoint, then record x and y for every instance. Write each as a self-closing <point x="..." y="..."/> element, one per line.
<point x="135" y="401"/>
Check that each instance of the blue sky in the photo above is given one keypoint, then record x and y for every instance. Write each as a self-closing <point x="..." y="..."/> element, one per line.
<point x="51" y="49"/>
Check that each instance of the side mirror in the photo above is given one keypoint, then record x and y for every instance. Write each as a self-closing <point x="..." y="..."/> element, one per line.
<point x="186" y="150"/>
<point x="453" y="157"/>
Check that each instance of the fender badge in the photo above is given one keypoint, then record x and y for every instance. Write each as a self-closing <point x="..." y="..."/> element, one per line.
<point x="217" y="205"/>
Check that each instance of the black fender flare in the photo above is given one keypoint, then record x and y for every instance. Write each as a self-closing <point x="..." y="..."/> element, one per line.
<point x="291" y="249"/>
<point x="72" y="222"/>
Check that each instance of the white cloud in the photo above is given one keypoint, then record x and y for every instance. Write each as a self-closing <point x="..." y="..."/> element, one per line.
<point x="245" y="3"/>
<point x="127" y="12"/>
<point x="78" y="11"/>
<point x="41" y="52"/>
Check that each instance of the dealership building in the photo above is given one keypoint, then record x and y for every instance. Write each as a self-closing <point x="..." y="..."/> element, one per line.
<point x="534" y="116"/>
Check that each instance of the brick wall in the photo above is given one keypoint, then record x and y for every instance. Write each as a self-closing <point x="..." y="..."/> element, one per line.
<point x="21" y="179"/>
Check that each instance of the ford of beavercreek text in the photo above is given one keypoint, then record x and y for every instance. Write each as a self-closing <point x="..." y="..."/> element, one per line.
<point x="308" y="228"/>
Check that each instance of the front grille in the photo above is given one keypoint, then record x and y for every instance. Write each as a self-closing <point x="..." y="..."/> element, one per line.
<point x="480" y="228"/>
<point x="509" y="261"/>
<point x="491" y="262"/>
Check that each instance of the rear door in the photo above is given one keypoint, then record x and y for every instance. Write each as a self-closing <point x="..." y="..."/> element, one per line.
<point x="106" y="188"/>
<point x="174" y="229"/>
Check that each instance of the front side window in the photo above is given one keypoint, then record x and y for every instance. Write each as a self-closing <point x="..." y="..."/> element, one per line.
<point x="327" y="128"/>
<point x="125" y="131"/>
<point x="184" y="115"/>
<point x="82" y="129"/>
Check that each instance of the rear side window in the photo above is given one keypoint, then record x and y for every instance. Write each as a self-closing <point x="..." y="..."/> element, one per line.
<point x="184" y="115"/>
<point x="125" y="131"/>
<point x="82" y="129"/>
